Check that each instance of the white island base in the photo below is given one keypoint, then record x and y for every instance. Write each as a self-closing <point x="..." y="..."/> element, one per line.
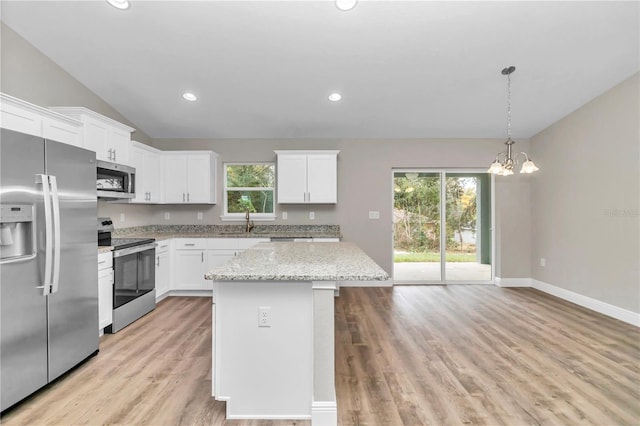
<point x="273" y="341"/>
<point x="273" y="350"/>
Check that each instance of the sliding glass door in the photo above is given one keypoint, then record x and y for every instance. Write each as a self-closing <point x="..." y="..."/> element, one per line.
<point x="442" y="226"/>
<point x="416" y="226"/>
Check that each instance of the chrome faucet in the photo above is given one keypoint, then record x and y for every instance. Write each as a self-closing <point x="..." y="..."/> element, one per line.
<point x="249" y="225"/>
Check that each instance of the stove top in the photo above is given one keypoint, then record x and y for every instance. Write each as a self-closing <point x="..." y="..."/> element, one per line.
<point x="120" y="243"/>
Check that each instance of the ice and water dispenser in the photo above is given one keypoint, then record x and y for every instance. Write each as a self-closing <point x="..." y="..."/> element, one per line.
<point x="16" y="231"/>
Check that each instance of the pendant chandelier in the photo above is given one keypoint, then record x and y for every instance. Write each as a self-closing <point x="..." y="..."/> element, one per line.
<point x="506" y="161"/>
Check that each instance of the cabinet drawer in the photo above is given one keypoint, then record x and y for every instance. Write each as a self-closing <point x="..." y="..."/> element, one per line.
<point x="191" y="244"/>
<point x="222" y="243"/>
<point x="105" y="261"/>
<point x="105" y="274"/>
<point x="163" y="246"/>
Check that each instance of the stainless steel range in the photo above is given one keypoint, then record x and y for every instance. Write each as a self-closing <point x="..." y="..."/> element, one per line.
<point x="134" y="293"/>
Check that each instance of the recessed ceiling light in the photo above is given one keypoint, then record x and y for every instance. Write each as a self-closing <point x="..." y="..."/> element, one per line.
<point x="189" y="96"/>
<point x="335" y="97"/>
<point x="346" y="4"/>
<point x="119" y="4"/>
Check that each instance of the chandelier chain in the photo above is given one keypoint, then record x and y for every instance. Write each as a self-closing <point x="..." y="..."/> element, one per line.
<point x="508" y="106"/>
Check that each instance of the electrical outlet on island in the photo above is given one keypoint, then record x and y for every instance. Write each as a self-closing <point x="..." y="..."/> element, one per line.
<point x="264" y="316"/>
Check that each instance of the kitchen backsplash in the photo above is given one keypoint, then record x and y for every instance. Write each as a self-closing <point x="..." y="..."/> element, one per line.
<point x="228" y="229"/>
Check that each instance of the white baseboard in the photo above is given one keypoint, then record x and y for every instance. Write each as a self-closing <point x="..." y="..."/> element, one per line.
<point x="268" y="417"/>
<point x="324" y="413"/>
<point x="193" y="293"/>
<point x="604" y="308"/>
<point x="513" y="282"/>
<point x="386" y="283"/>
<point x="162" y="296"/>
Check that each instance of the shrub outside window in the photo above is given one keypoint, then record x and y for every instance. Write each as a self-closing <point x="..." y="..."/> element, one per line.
<point x="249" y="187"/>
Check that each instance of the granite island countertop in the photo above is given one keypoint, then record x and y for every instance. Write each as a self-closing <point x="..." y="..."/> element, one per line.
<point x="300" y="261"/>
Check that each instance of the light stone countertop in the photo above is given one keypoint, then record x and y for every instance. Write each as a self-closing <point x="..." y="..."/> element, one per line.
<point x="104" y="249"/>
<point x="160" y="236"/>
<point x="165" y="232"/>
<point x="291" y="261"/>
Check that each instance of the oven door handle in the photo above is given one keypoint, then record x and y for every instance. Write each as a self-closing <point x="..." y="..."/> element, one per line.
<point x="132" y="250"/>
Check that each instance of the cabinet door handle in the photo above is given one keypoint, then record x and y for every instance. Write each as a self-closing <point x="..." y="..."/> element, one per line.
<point x="309" y="197"/>
<point x="158" y="261"/>
<point x="190" y="244"/>
<point x="102" y="261"/>
<point x="114" y="155"/>
<point x="202" y="254"/>
<point x="183" y="197"/>
<point x="188" y="196"/>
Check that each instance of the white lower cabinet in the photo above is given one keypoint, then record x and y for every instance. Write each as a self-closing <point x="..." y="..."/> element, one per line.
<point x="105" y="289"/>
<point x="194" y="257"/>
<point x="163" y="269"/>
<point x="218" y="257"/>
<point x="191" y="264"/>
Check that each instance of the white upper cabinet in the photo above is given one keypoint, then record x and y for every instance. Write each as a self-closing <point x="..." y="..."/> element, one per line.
<point x="146" y="161"/>
<point x="189" y="177"/>
<point x="307" y="177"/>
<point x="110" y="139"/>
<point x="24" y="117"/>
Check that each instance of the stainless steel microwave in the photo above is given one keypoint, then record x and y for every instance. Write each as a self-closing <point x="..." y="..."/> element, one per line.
<point x="115" y="180"/>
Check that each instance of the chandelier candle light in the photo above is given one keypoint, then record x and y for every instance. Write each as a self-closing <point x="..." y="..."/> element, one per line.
<point x="505" y="161"/>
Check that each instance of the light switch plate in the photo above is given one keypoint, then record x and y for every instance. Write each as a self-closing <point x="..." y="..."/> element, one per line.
<point x="199" y="215"/>
<point x="121" y="217"/>
<point x="284" y="215"/>
<point x="167" y="215"/>
<point x="373" y="214"/>
<point x="312" y="215"/>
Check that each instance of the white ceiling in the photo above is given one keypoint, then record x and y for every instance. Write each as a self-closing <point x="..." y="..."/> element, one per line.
<point x="264" y="69"/>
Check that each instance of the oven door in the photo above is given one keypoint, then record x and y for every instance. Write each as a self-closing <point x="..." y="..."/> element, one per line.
<point x="134" y="273"/>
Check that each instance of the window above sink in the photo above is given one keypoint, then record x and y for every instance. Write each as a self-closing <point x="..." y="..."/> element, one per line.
<point x="249" y="187"/>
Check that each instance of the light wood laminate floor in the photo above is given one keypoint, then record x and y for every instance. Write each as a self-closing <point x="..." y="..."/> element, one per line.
<point x="404" y="356"/>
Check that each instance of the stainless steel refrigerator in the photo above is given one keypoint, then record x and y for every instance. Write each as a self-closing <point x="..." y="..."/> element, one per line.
<point x="48" y="262"/>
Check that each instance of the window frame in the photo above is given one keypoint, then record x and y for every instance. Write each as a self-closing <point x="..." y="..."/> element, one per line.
<point x="241" y="216"/>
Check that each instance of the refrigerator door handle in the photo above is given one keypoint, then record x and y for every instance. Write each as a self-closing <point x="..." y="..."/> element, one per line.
<point x="56" y="234"/>
<point x="48" y="249"/>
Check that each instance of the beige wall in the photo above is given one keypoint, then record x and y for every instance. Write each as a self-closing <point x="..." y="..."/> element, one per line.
<point x="28" y="74"/>
<point x="364" y="184"/>
<point x="585" y="219"/>
<point x="364" y="167"/>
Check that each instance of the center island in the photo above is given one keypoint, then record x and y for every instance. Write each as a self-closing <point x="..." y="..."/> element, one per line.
<point x="273" y="328"/>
